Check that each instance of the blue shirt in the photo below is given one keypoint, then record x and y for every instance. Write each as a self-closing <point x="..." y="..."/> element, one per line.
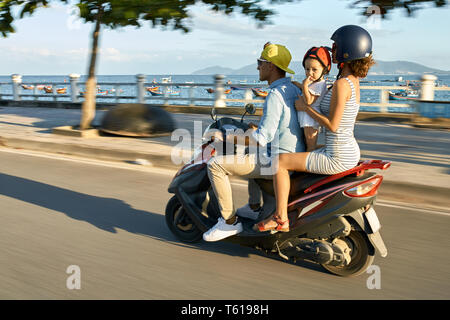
<point x="279" y="129"/>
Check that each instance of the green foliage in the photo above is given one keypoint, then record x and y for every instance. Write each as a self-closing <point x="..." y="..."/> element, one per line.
<point x="174" y="13"/>
<point x="26" y="7"/>
<point x="120" y="13"/>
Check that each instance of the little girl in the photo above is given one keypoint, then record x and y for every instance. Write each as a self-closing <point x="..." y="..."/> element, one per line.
<point x="317" y="63"/>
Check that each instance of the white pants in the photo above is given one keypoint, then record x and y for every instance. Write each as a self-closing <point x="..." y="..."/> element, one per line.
<point x="248" y="166"/>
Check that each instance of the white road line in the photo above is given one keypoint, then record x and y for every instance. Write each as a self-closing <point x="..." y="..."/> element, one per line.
<point x="89" y="161"/>
<point x="407" y="206"/>
<point x="170" y="172"/>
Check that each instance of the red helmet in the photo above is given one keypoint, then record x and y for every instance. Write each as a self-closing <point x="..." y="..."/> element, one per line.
<point x="321" y="54"/>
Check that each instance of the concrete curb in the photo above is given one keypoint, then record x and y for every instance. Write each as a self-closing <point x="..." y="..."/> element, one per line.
<point x="427" y="196"/>
<point x="86" y="151"/>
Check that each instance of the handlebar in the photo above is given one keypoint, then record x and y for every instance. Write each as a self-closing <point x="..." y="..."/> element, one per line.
<point x="222" y="122"/>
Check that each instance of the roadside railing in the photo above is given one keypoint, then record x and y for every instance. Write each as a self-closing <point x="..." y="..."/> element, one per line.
<point x="113" y="91"/>
<point x="140" y="92"/>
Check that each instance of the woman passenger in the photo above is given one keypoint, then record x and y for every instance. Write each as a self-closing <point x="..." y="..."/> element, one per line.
<point x="352" y="51"/>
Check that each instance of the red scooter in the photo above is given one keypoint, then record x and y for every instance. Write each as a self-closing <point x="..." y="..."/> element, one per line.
<point x="332" y="219"/>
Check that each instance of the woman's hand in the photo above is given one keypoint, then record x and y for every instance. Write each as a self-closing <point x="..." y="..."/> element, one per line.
<point x="300" y="104"/>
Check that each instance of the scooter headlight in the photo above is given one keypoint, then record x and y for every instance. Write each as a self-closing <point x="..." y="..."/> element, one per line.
<point x="205" y="135"/>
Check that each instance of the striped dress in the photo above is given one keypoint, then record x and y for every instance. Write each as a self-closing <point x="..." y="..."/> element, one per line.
<point x="341" y="151"/>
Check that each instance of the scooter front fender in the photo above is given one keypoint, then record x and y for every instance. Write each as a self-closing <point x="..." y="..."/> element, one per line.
<point x="193" y="180"/>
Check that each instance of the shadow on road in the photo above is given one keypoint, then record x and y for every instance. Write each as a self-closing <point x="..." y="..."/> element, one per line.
<point x="104" y="213"/>
<point x="110" y="214"/>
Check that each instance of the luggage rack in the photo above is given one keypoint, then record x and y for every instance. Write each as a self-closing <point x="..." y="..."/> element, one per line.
<point x="359" y="170"/>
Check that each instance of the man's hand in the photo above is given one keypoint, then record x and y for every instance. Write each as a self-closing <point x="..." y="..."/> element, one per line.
<point x="214" y="135"/>
<point x="253" y="126"/>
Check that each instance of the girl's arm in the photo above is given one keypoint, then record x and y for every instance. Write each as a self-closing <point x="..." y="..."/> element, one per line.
<point x="340" y="94"/>
<point x="307" y="97"/>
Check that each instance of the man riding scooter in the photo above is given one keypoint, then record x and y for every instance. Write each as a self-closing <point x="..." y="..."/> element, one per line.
<point x="278" y="132"/>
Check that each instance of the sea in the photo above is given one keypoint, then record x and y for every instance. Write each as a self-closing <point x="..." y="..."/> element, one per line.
<point x="128" y="87"/>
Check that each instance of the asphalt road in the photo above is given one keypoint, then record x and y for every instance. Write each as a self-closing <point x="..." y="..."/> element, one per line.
<point x="108" y="220"/>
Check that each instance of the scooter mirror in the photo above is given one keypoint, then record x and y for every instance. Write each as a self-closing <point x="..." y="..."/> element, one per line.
<point x="250" y="108"/>
<point x="213" y="114"/>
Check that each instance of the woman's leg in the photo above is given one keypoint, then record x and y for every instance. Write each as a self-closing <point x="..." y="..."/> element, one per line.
<point x="281" y="180"/>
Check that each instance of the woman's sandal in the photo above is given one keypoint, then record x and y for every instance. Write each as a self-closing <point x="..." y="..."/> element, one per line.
<point x="282" y="226"/>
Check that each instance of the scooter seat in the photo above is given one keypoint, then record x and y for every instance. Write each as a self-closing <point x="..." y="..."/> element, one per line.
<point x="299" y="182"/>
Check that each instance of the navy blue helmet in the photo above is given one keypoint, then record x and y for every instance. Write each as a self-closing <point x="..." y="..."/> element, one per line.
<point x="351" y="42"/>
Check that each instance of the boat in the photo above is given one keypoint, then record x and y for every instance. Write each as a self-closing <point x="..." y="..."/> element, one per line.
<point x="166" y="90"/>
<point x="153" y="88"/>
<point x="237" y="88"/>
<point x="189" y="84"/>
<point x="166" y="93"/>
<point x="259" y="93"/>
<point x="227" y="91"/>
<point x="210" y="90"/>
<point x="28" y="87"/>
<point x="411" y="84"/>
<point x="166" y="80"/>
<point x="48" y="89"/>
<point x="114" y="90"/>
<point x="404" y="95"/>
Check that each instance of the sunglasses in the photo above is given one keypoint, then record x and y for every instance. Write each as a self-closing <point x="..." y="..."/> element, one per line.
<point x="260" y="61"/>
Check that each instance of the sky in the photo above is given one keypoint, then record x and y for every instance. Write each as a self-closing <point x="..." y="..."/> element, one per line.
<point x="54" y="42"/>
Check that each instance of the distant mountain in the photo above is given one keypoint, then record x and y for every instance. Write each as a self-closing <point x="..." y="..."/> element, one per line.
<point x="214" y="70"/>
<point x="246" y="70"/>
<point x="381" y="68"/>
<point x="403" y="68"/>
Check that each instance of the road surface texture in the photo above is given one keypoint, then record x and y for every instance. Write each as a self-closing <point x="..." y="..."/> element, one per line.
<point x="108" y="219"/>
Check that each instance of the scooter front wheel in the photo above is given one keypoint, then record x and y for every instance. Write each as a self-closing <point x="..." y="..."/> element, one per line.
<point x="361" y="256"/>
<point x="179" y="222"/>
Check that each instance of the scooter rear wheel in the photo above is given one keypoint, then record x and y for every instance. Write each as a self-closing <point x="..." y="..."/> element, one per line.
<point x="361" y="256"/>
<point x="179" y="222"/>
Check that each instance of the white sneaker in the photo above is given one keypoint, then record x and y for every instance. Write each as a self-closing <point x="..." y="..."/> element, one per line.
<point x="222" y="230"/>
<point x="247" y="212"/>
